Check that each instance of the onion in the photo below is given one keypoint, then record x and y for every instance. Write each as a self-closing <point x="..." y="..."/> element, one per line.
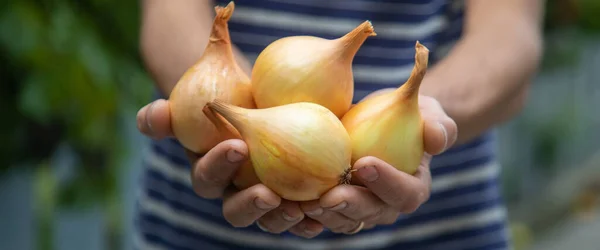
<point x="215" y="75"/>
<point x="299" y="150"/>
<point x="389" y="126"/>
<point x="309" y="69"/>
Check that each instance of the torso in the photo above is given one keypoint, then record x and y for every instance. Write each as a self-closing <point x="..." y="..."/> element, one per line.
<point x="465" y="210"/>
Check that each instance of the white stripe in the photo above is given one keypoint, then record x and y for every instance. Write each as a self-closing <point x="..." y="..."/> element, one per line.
<point x="486" y="195"/>
<point x="201" y="205"/>
<point x="365" y="51"/>
<point x="472" y="242"/>
<point x="335" y="26"/>
<point x="178" y="240"/>
<point x="360" y="5"/>
<point x="162" y="164"/>
<point x="465" y="178"/>
<point x="383" y="75"/>
<point x="376" y="239"/>
<point x="440" y="184"/>
<point x="461" y="157"/>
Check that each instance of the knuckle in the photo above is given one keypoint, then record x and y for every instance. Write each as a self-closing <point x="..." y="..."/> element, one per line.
<point x="205" y="192"/>
<point x="411" y="207"/>
<point x="396" y="200"/>
<point x="390" y="219"/>
<point x="236" y="219"/>
<point x="374" y="217"/>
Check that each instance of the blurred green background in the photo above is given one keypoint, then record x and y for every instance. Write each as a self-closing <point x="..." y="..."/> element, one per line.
<point x="72" y="81"/>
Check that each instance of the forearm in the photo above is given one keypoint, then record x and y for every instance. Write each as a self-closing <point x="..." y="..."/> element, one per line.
<point x="173" y="36"/>
<point x="484" y="79"/>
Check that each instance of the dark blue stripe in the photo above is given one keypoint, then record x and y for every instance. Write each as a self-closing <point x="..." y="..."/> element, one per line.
<point x="371" y="11"/>
<point x="483" y="185"/>
<point x="160" y="241"/>
<point x="475" y="163"/>
<point x="414" y="2"/>
<point x="475" y="143"/>
<point x="415" y="219"/>
<point x="174" y="155"/>
<point x="449" y="237"/>
<point x="152" y="175"/>
<point x="495" y="246"/>
<point x="411" y="244"/>
<point x="182" y="231"/>
<point x="359" y="60"/>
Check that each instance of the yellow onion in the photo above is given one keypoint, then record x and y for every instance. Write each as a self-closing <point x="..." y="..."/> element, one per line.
<point x="389" y="126"/>
<point x="299" y="150"/>
<point x="309" y="69"/>
<point x="245" y="177"/>
<point x="215" y="75"/>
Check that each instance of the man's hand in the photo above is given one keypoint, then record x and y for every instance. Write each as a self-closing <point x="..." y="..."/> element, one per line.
<point x="387" y="192"/>
<point x="212" y="175"/>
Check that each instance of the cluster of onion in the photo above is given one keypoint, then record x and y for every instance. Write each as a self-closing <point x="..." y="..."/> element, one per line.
<point x="295" y="113"/>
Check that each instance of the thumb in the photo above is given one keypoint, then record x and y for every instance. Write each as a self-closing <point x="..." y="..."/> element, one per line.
<point x="154" y="119"/>
<point x="439" y="135"/>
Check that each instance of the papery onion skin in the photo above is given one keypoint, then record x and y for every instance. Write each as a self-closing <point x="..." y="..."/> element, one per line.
<point x="245" y="177"/>
<point x="309" y="69"/>
<point x="389" y="126"/>
<point x="215" y="75"/>
<point x="299" y="151"/>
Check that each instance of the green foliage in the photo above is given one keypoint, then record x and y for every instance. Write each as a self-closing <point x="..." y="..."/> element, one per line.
<point x="70" y="67"/>
<point x="566" y="24"/>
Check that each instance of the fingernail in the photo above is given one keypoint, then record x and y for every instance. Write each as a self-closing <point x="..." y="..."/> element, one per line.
<point x="234" y="156"/>
<point x="287" y="217"/>
<point x="317" y="211"/>
<point x="368" y="173"/>
<point x="309" y="232"/>
<point x="264" y="229"/>
<point x="339" y="206"/>
<point x="148" y="115"/>
<point x="262" y="204"/>
<point x="445" y="136"/>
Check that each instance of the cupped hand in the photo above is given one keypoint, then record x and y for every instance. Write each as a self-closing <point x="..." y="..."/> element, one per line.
<point x="212" y="176"/>
<point x="387" y="192"/>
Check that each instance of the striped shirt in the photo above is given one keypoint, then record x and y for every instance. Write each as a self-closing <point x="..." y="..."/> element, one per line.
<point x="465" y="210"/>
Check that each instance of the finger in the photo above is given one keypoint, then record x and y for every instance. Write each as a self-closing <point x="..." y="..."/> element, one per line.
<point x="402" y="191"/>
<point x="243" y="208"/>
<point x="368" y="226"/>
<point x="439" y="130"/>
<point x="336" y="222"/>
<point x="359" y="204"/>
<point x="213" y="173"/>
<point x="282" y="218"/>
<point x="307" y="228"/>
<point x="154" y="119"/>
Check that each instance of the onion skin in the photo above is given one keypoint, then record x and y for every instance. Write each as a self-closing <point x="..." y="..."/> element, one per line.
<point x="215" y="75"/>
<point x="245" y="177"/>
<point x="309" y="69"/>
<point x="300" y="150"/>
<point x="389" y="126"/>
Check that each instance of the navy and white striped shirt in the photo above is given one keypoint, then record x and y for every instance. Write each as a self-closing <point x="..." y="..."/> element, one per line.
<point x="465" y="210"/>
